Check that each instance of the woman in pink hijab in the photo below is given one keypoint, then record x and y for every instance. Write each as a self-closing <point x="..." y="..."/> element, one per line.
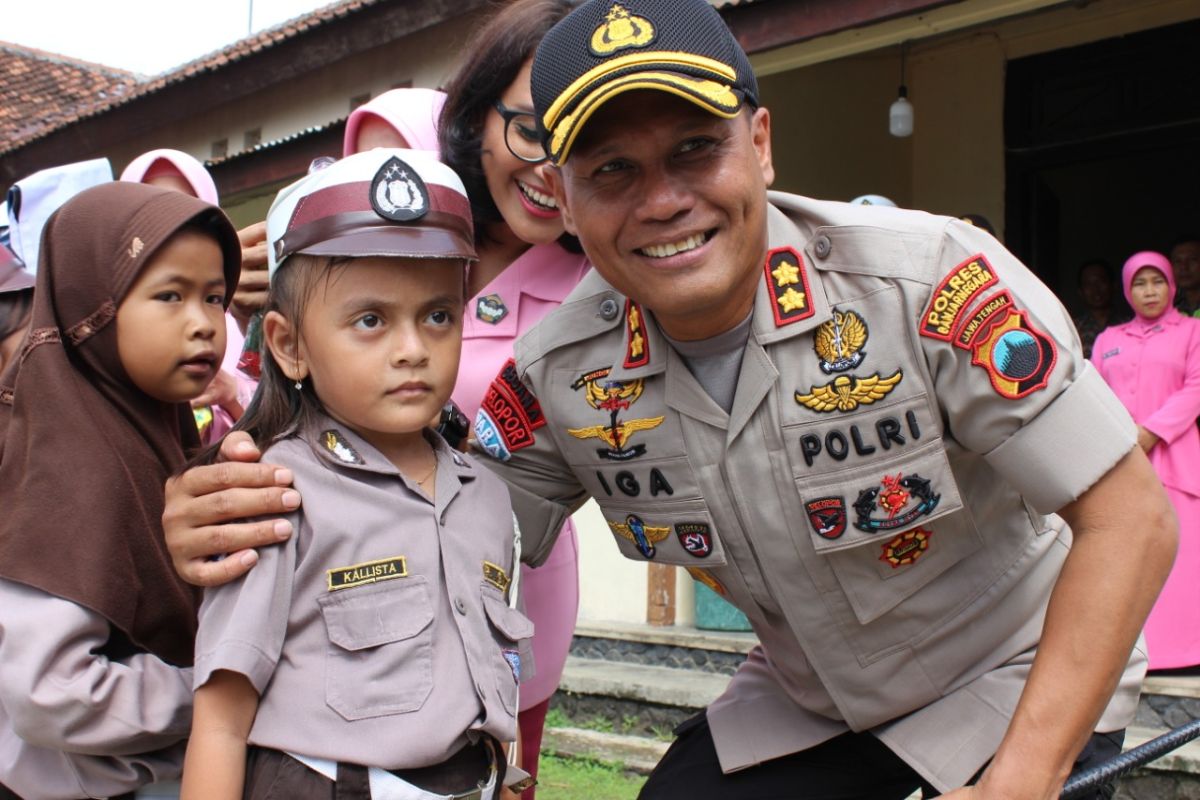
<point x="222" y="403"/>
<point x="1152" y="364"/>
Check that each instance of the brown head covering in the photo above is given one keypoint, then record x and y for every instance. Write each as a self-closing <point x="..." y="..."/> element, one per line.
<point x="87" y="452"/>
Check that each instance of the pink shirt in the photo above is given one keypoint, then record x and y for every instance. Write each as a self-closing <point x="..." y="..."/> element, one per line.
<point x="1153" y="367"/>
<point x="529" y="289"/>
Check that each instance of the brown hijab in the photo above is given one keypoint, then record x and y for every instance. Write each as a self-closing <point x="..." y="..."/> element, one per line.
<point x="87" y="452"/>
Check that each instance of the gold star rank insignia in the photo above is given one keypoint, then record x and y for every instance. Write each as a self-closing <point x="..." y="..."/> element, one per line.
<point x="787" y="283"/>
<point x="786" y="273"/>
<point x="637" y="354"/>
<point x="846" y="393"/>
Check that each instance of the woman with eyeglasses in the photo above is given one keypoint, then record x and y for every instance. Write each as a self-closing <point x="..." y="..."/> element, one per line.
<point x="526" y="266"/>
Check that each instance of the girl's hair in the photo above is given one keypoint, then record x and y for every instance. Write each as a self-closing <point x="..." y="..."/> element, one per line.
<point x="15" y="309"/>
<point x="496" y="55"/>
<point x="278" y="407"/>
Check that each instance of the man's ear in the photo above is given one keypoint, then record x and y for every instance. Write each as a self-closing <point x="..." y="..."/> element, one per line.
<point x="557" y="185"/>
<point x="283" y="340"/>
<point x="760" y="135"/>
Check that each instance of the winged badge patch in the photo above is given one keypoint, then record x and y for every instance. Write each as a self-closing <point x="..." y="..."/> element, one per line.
<point x="643" y="536"/>
<point x="848" y="392"/>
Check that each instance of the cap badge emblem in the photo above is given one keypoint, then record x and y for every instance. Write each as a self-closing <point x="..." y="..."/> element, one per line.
<point x="839" y="342"/>
<point x="398" y="193"/>
<point x="621" y="30"/>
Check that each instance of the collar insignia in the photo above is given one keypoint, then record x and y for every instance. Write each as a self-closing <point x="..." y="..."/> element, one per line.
<point x="907" y="547"/>
<point x="787" y="282"/>
<point x="613" y="397"/>
<point x="1018" y="357"/>
<point x="341" y="449"/>
<point x="638" y="352"/>
<point x="495" y="575"/>
<point x="643" y="536"/>
<point x="398" y="193"/>
<point x="621" y="30"/>
<point x="905" y="499"/>
<point x="846" y="393"/>
<point x="839" y="342"/>
<point x="491" y="309"/>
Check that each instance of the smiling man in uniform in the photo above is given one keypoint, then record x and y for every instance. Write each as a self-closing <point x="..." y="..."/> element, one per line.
<point x="853" y="422"/>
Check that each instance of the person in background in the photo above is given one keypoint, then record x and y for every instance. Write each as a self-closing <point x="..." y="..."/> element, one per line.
<point x="96" y="629"/>
<point x="1096" y="287"/>
<point x="979" y="221"/>
<point x="397" y="118"/>
<point x="34" y="198"/>
<point x="16" y="305"/>
<point x="227" y="396"/>
<point x="1152" y="364"/>
<point x="1185" y="260"/>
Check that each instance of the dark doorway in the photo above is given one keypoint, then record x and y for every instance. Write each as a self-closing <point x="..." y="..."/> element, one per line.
<point x="1103" y="151"/>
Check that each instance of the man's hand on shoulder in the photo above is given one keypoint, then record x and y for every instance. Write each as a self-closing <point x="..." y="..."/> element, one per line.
<point x="203" y="505"/>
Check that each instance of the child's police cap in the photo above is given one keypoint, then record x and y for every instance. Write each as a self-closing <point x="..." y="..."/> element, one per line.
<point x="604" y="48"/>
<point x="384" y="202"/>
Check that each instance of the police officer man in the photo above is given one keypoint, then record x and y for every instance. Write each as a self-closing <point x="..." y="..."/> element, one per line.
<point x="854" y="422"/>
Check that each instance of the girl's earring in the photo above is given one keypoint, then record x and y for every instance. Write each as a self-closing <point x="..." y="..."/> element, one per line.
<point x="299" y="386"/>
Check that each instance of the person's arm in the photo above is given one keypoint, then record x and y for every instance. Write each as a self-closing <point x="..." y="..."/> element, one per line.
<point x="215" y="766"/>
<point x="204" y="504"/>
<point x="1124" y="543"/>
<point x="1179" y="412"/>
<point x="61" y="693"/>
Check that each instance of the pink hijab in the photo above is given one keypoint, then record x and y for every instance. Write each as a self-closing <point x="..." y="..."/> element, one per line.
<point x="412" y="113"/>
<point x="156" y="162"/>
<point x="1149" y="258"/>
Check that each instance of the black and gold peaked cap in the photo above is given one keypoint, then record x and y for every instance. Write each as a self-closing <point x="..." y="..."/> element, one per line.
<point x="607" y="47"/>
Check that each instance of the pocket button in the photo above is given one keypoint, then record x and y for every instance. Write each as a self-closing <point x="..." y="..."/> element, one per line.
<point x="460" y="606"/>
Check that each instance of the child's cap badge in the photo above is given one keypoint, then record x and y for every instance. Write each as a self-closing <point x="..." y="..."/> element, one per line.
<point x="398" y="193"/>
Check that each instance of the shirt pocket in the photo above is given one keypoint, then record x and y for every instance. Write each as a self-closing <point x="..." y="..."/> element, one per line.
<point x="380" y="655"/>
<point x="511" y="631"/>
<point x="679" y="532"/>
<point x="887" y="532"/>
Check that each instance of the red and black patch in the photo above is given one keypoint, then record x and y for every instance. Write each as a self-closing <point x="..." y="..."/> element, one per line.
<point x="637" y="350"/>
<point x="513" y="408"/>
<point x="827" y="516"/>
<point x="695" y="537"/>
<point x="1017" y="356"/>
<point x="954" y="295"/>
<point x="787" y="283"/>
<point x="907" y="547"/>
<point x="987" y="313"/>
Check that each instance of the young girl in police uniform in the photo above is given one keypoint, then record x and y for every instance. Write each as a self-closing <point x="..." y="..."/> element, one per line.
<point x="376" y="654"/>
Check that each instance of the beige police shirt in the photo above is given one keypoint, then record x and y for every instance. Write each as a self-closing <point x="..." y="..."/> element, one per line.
<point x="912" y="405"/>
<point x="74" y="723"/>
<point x="380" y="633"/>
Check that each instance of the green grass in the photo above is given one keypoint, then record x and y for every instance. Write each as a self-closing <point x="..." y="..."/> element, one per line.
<point x="574" y="778"/>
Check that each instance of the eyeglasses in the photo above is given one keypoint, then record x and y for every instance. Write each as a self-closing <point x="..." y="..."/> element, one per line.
<point x="521" y="134"/>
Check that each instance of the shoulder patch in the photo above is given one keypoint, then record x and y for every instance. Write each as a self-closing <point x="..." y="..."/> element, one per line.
<point x="1017" y="356"/>
<point x="637" y="352"/>
<point x="987" y="313"/>
<point x="954" y="295"/>
<point x="513" y="408"/>
<point x="787" y="282"/>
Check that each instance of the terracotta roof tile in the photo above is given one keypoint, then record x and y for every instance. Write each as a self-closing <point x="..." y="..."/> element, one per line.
<point x="41" y="91"/>
<point x="22" y="123"/>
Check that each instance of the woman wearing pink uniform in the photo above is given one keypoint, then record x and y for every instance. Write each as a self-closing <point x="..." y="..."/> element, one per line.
<point x="488" y="135"/>
<point x="1152" y="364"/>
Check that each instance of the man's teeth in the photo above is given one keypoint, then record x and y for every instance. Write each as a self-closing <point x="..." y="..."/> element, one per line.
<point x="664" y="250"/>
<point x="544" y="200"/>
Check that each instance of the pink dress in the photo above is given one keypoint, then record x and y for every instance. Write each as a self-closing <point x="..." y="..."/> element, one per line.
<point x="1153" y="367"/>
<point x="529" y="289"/>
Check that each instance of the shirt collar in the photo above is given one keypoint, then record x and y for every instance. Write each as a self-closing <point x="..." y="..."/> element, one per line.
<point x="340" y="446"/>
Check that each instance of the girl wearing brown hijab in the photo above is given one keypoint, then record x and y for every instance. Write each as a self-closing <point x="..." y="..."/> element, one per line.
<point x="96" y="628"/>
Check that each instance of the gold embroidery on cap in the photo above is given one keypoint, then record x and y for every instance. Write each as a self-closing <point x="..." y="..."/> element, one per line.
<point x="621" y="30"/>
<point x="136" y="247"/>
<point x="385" y="569"/>
<point x="495" y="575"/>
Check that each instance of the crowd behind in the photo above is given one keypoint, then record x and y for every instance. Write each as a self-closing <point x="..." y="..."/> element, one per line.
<point x="96" y="678"/>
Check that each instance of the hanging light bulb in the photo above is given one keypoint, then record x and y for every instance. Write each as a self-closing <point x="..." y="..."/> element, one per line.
<point x="900" y="114"/>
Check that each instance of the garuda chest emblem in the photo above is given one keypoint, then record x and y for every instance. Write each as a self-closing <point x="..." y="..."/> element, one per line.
<point x="839" y="342"/>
